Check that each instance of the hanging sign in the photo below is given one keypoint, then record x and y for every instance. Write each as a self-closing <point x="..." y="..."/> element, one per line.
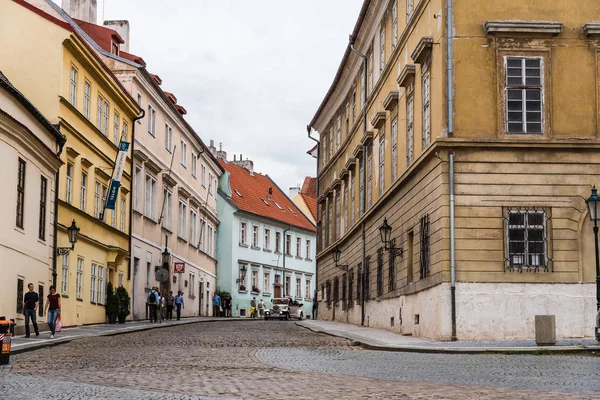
<point x="179" y="268"/>
<point x="115" y="183"/>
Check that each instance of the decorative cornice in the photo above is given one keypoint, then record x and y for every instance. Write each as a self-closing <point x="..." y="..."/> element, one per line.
<point x="592" y="29"/>
<point x="351" y="164"/>
<point x="512" y="28"/>
<point x="423" y="50"/>
<point x="407" y="75"/>
<point x="183" y="192"/>
<point x="100" y="172"/>
<point x="86" y="163"/>
<point x="379" y="119"/>
<point x="344" y="173"/>
<point x="367" y="138"/>
<point x="336" y="184"/>
<point x="168" y="180"/>
<point x="71" y="152"/>
<point x="358" y="150"/>
<point x="152" y="166"/>
<point x="140" y="155"/>
<point x="391" y="100"/>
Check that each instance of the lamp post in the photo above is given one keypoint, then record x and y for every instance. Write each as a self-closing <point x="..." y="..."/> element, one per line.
<point x="385" y="232"/>
<point x="166" y="258"/>
<point x="336" y="258"/>
<point x="242" y="277"/>
<point x="73" y="233"/>
<point x="592" y="204"/>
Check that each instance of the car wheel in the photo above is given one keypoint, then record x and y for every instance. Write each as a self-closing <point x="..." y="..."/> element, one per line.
<point x="287" y="316"/>
<point x="266" y="318"/>
<point x="301" y="316"/>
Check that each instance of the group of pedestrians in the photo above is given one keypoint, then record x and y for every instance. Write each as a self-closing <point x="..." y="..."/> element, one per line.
<point x="222" y="305"/>
<point x="31" y="301"/>
<point x="161" y="306"/>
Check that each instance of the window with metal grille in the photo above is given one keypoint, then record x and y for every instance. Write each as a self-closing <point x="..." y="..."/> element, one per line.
<point x="41" y="297"/>
<point x="426" y="87"/>
<point x="409" y="123"/>
<point x="19" y="296"/>
<point x="524" y="95"/>
<point x="20" y="193"/>
<point x="367" y="292"/>
<point x="392" y="268"/>
<point x="344" y="292"/>
<point x="425" y="246"/>
<point x="336" y="291"/>
<point x="359" y="281"/>
<point x="43" y="195"/>
<point x="379" y="271"/>
<point x="527" y="240"/>
<point x="328" y="292"/>
<point x="350" y="288"/>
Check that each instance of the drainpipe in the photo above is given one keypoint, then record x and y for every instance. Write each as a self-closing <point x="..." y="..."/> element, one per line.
<point x="284" y="252"/>
<point x="452" y="250"/>
<point x="308" y="129"/>
<point x="450" y="64"/>
<point x="364" y="180"/>
<point x="132" y="174"/>
<point x="55" y="228"/>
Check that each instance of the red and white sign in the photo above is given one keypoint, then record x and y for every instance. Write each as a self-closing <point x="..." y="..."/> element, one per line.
<point x="179" y="268"/>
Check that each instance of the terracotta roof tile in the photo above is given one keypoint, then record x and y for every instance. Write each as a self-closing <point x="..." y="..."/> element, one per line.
<point x="132" y="57"/>
<point x="309" y="187"/>
<point x="250" y="193"/>
<point x="311" y="203"/>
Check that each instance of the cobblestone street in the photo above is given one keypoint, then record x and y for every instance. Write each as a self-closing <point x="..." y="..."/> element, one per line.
<point x="280" y="360"/>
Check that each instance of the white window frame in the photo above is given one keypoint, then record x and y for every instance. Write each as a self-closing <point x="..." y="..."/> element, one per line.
<point x="79" y="279"/>
<point x="69" y="183"/>
<point x="168" y="138"/>
<point x="123" y="208"/>
<point x="138" y="188"/>
<point x="150" y="197"/>
<point x="426" y="99"/>
<point x="99" y="110"/>
<point x="167" y="221"/>
<point x="525" y="89"/>
<point x="183" y="154"/>
<point x="410" y="7"/>
<point x="64" y="282"/>
<point x="381" y="49"/>
<point x="73" y="87"/>
<point x="307" y="283"/>
<point x="125" y="130"/>
<point x="338" y="135"/>
<point x="307" y="245"/>
<point x="105" y="117"/>
<point x="194" y="164"/>
<point x="394" y="150"/>
<point x="101" y="294"/>
<point x="151" y="120"/>
<point x="266" y="282"/>
<point x="353" y="198"/>
<point x="203" y="172"/>
<point x="117" y="128"/>
<point x="87" y="99"/>
<point x="288" y="244"/>
<point x="97" y="190"/>
<point x="267" y="238"/>
<point x="255" y="239"/>
<point x="299" y="287"/>
<point x="182" y="220"/>
<point x="243" y="233"/>
<point x="394" y="24"/>
<point x="369" y="175"/>
<point x="338" y="215"/>
<point x="298" y="246"/>
<point x="277" y="242"/>
<point x="382" y="164"/>
<point x="331" y="142"/>
<point x="93" y="286"/>
<point x="410" y="108"/>
<point x="193" y="227"/>
<point x="83" y="191"/>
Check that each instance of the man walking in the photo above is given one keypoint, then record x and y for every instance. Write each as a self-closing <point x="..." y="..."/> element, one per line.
<point x="261" y="308"/>
<point x="170" y="304"/>
<point x="30" y="305"/>
<point x="216" y="304"/>
<point x="153" y="304"/>
<point x="179" y="304"/>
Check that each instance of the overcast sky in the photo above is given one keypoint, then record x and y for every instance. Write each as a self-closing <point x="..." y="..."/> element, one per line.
<point x="251" y="73"/>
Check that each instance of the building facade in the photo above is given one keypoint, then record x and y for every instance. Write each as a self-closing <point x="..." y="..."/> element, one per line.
<point x="69" y="83"/>
<point x="474" y="137"/>
<point x="174" y="181"/>
<point x="30" y="147"/>
<point x="265" y="244"/>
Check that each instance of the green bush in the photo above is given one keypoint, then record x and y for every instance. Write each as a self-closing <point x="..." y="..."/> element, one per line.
<point x="112" y="301"/>
<point x="124" y="301"/>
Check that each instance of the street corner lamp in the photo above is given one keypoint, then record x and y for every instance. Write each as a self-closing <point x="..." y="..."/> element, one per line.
<point x="166" y="257"/>
<point x="73" y="233"/>
<point x="336" y="258"/>
<point x="385" y="231"/>
<point x="242" y="277"/>
<point x="592" y="204"/>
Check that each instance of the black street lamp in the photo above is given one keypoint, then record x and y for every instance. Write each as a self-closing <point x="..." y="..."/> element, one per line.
<point x="385" y="231"/>
<point x="242" y="277"/>
<point x="336" y="258"/>
<point x="73" y="233"/>
<point x="592" y="204"/>
<point x="166" y="257"/>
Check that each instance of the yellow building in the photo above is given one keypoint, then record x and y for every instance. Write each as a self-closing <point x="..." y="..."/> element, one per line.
<point x="478" y="148"/>
<point x="63" y="77"/>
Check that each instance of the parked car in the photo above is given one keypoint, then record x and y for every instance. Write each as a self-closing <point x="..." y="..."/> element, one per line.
<point x="283" y="308"/>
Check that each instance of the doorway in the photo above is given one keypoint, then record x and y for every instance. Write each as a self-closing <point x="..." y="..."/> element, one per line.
<point x="201" y="291"/>
<point x="277" y="291"/>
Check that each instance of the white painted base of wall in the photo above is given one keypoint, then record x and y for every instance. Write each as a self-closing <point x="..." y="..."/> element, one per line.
<point x="484" y="311"/>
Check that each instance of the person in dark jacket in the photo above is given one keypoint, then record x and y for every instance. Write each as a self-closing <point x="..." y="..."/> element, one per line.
<point x="30" y="305"/>
<point x="170" y="305"/>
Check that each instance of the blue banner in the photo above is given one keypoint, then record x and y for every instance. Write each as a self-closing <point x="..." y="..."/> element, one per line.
<point x="115" y="183"/>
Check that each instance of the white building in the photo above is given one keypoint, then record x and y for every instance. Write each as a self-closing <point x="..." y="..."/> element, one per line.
<point x="29" y="150"/>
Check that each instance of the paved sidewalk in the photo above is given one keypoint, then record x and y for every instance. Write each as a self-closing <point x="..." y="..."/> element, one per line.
<point x="20" y="344"/>
<point x="381" y="339"/>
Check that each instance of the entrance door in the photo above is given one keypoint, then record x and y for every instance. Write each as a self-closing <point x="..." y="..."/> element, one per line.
<point x="201" y="292"/>
<point x="277" y="292"/>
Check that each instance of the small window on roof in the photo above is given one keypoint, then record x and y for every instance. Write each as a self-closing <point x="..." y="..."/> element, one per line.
<point x="237" y="192"/>
<point x="264" y="201"/>
<point x="292" y="211"/>
<point x="278" y="206"/>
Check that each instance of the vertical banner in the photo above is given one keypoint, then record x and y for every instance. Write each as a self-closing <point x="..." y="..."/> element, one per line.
<point x="115" y="182"/>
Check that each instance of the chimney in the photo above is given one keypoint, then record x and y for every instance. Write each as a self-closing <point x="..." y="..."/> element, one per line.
<point x="212" y="148"/>
<point x="294" y="191"/>
<point x="122" y="28"/>
<point x="247" y="164"/>
<point x="85" y="10"/>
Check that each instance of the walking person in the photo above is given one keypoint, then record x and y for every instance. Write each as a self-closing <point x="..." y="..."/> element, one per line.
<point x="314" y="306"/>
<point x="179" y="304"/>
<point x="161" y="306"/>
<point x="228" y="305"/>
<point x="253" y="308"/>
<point x="216" y="304"/>
<point x="261" y="308"/>
<point x="152" y="300"/>
<point x="30" y="305"/>
<point x="52" y="309"/>
<point x="170" y="304"/>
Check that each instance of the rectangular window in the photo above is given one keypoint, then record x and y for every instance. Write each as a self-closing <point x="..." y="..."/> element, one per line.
<point x="151" y="120"/>
<point x="336" y="291"/>
<point x="331" y="143"/>
<point x="298" y="287"/>
<point x="287" y="285"/>
<point x="410" y="243"/>
<point x="526" y="240"/>
<point x="100" y="298"/>
<point x="352" y="196"/>
<point x="524" y="95"/>
<point x="139" y="102"/>
<point x="307" y="293"/>
<point x="83" y="194"/>
<point x="167" y="221"/>
<point x="278" y="242"/>
<point x="150" y="209"/>
<point x="105" y="118"/>
<point x="41" y="300"/>
<point x="243" y="233"/>
<point x="103" y="200"/>
<point x="125" y="130"/>
<point x="168" y="138"/>
<point x="409" y="128"/>
<point x="363" y="90"/>
<point x="288" y="245"/>
<point x="367" y="291"/>
<point x="338" y="134"/>
<point x="181" y="228"/>
<point x="382" y="49"/>
<point x="361" y="181"/>
<point x="122" y="215"/>
<point x="338" y="212"/>
<point x="392" y="267"/>
<point x="267" y="282"/>
<point x="353" y="106"/>
<point x="426" y="86"/>
<point x="113" y="220"/>
<point x="379" y="271"/>
<point x="87" y="96"/>
<point x="369" y="175"/>
<point x="255" y="236"/>
<point x="79" y="279"/>
<point x="43" y="197"/>
<point x="194" y="162"/>
<point x="322" y="229"/>
<point x="324" y="152"/>
<point x="254" y="282"/>
<point x="69" y="183"/>
<point x="203" y="177"/>
<point x="359" y="279"/>
<point x="307" y="248"/>
<point x="344" y="282"/>
<point x="394" y="150"/>
<point x="328" y="293"/>
<point x="73" y="92"/>
<point x="120" y="280"/>
<point x="347" y="120"/>
<point x="193" y="227"/>
<point x="370" y="66"/>
<point x="64" y="284"/>
<point x="117" y="129"/>
<point x="394" y="24"/>
<point x="138" y="189"/>
<point x="382" y="163"/>
<point x="20" y="287"/>
<point x="183" y="153"/>
<point x="409" y="8"/>
<point x="97" y="200"/>
<point x="330" y="223"/>
<point x="99" y="113"/>
<point x="345" y="206"/>
<point x="298" y="247"/>
<point x="267" y="245"/>
<point x="425" y="246"/>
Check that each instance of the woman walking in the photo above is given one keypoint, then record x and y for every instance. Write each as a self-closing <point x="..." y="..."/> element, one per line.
<point x="52" y="310"/>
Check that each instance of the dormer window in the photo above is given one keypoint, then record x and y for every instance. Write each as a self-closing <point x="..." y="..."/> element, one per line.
<point x="278" y="206"/>
<point x="114" y="48"/>
<point x="237" y="192"/>
<point x="264" y="201"/>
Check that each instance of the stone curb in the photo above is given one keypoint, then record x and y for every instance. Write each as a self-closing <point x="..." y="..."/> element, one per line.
<point x="369" y="345"/>
<point x="59" y="341"/>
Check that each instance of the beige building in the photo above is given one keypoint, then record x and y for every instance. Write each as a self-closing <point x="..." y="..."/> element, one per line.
<point x="30" y="148"/>
<point x="482" y="125"/>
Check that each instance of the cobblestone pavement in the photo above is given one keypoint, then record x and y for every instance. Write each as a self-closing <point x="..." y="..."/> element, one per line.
<point x="279" y="360"/>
